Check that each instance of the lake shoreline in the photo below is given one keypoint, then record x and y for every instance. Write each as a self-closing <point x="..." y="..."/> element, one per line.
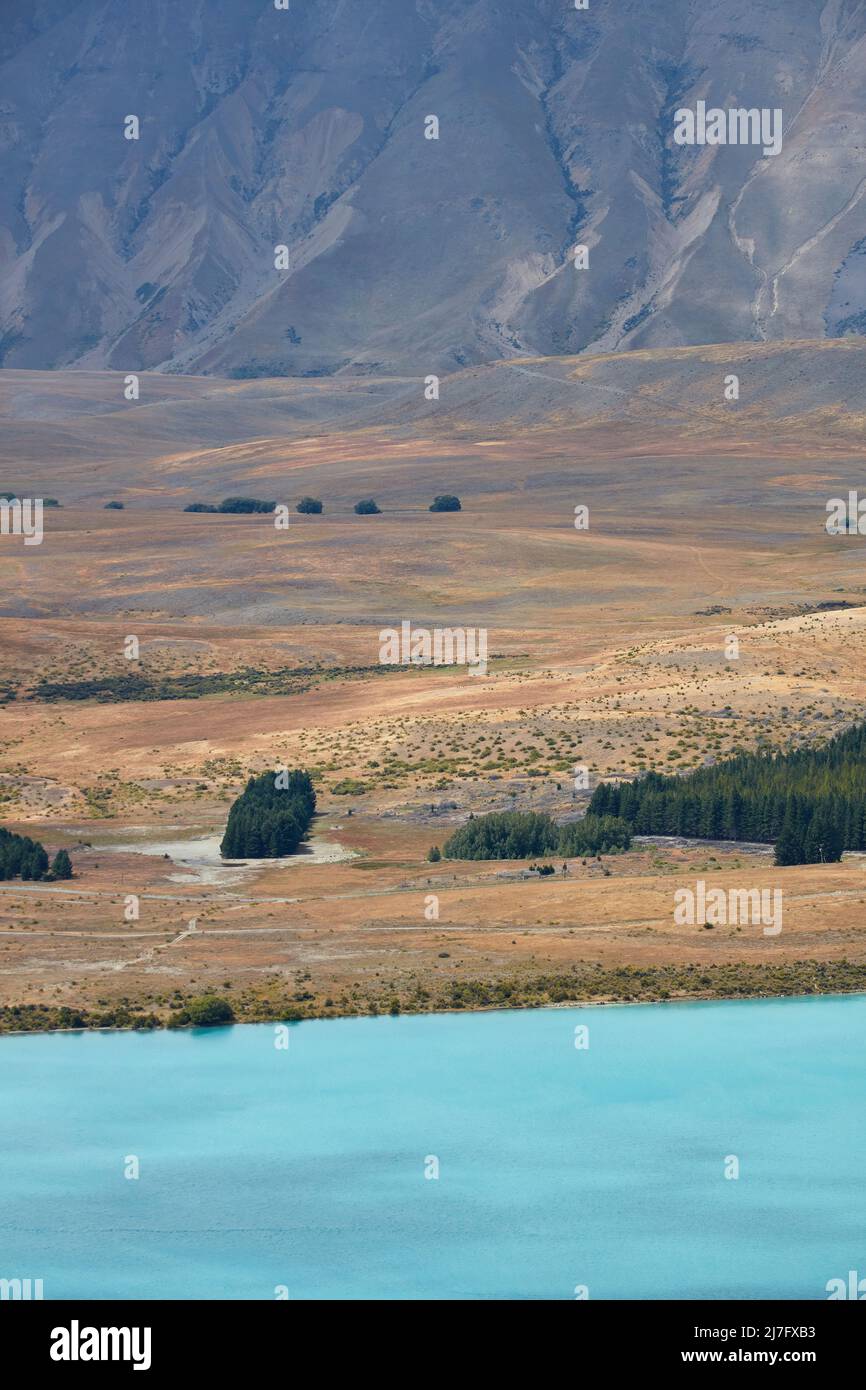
<point x="251" y="1016"/>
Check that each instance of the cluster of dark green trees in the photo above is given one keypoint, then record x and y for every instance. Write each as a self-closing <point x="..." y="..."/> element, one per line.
<point x="270" y="817"/>
<point x="810" y="803"/>
<point x="308" y="506"/>
<point x="21" y="857"/>
<point x="524" y="834"/>
<point x="7" y="495"/>
<point x="594" y="835"/>
<point x="242" y="505"/>
<point x="810" y="839"/>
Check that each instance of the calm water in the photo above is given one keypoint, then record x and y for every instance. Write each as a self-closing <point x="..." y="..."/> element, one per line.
<point x="558" y="1167"/>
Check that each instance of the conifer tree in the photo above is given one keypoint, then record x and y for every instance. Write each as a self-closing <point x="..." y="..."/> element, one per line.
<point x="61" y="866"/>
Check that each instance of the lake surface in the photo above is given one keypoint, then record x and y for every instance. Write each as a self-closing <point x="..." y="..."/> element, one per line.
<point x="558" y="1167"/>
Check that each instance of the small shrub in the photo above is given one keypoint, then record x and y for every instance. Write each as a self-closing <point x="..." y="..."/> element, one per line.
<point x="349" y="786"/>
<point x="209" y="1010"/>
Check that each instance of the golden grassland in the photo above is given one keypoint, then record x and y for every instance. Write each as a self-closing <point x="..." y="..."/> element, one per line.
<point x="611" y="649"/>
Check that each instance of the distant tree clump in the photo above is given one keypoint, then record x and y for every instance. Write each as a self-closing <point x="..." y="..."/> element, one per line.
<point x="7" y="495"/>
<point x="310" y="506"/>
<point x="594" y="835"/>
<point x="245" y="504"/>
<point x="242" y="505"/>
<point x="21" y="857"/>
<point x="113" y="507"/>
<point x="434" y="854"/>
<point x="524" y="834"/>
<point x="503" y="835"/>
<point x="367" y="508"/>
<point x="809" y="802"/>
<point x="270" y="817"/>
<point x="445" y="503"/>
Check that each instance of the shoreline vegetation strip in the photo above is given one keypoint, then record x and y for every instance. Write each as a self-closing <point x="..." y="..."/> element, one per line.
<point x="583" y="986"/>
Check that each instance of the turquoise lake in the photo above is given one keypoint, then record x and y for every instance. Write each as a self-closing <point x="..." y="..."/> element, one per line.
<point x="558" y="1167"/>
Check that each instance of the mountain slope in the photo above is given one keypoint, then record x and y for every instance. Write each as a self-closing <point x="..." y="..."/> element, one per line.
<point x="306" y="128"/>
